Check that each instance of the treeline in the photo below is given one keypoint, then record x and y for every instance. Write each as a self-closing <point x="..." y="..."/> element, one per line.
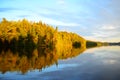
<point x="23" y="33"/>
<point x="90" y="44"/>
<point x="114" y="43"/>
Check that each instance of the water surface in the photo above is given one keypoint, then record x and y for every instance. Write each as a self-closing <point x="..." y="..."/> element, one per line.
<point x="101" y="63"/>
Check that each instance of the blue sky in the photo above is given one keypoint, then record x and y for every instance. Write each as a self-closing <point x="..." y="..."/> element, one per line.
<point x="93" y="19"/>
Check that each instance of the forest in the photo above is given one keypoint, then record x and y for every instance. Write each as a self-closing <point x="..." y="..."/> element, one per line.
<point x="26" y="34"/>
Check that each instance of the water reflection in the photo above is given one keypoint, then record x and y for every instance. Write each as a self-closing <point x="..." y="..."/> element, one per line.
<point x="27" y="60"/>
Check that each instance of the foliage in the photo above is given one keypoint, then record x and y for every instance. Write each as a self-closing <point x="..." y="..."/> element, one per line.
<point x="22" y="33"/>
<point x="76" y="44"/>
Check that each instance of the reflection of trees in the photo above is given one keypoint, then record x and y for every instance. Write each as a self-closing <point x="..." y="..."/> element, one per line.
<point x="36" y="59"/>
<point x="23" y="62"/>
<point x="69" y="53"/>
<point x="8" y="61"/>
<point x="92" y="44"/>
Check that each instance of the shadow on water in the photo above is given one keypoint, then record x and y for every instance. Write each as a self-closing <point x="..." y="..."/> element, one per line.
<point x="24" y="60"/>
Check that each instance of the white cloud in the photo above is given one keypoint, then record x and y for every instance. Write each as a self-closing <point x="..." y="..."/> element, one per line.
<point x="36" y="17"/>
<point x="106" y="33"/>
<point x="61" y="2"/>
<point x="108" y="27"/>
<point x="109" y="61"/>
<point x="54" y="22"/>
<point x="93" y="38"/>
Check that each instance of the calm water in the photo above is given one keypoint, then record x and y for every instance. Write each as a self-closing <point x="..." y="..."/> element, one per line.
<point x="102" y="63"/>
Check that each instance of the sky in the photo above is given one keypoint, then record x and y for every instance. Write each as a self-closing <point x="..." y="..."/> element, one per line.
<point x="97" y="20"/>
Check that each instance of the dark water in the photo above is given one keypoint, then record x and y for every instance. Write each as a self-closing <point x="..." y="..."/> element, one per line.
<point x="102" y="63"/>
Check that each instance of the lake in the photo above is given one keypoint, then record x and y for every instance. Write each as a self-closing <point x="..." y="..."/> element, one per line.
<point x="100" y="63"/>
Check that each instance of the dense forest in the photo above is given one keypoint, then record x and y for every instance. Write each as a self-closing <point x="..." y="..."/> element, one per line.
<point x="23" y="33"/>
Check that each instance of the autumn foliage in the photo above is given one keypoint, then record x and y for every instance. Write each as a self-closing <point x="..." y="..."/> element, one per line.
<point x="23" y="33"/>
